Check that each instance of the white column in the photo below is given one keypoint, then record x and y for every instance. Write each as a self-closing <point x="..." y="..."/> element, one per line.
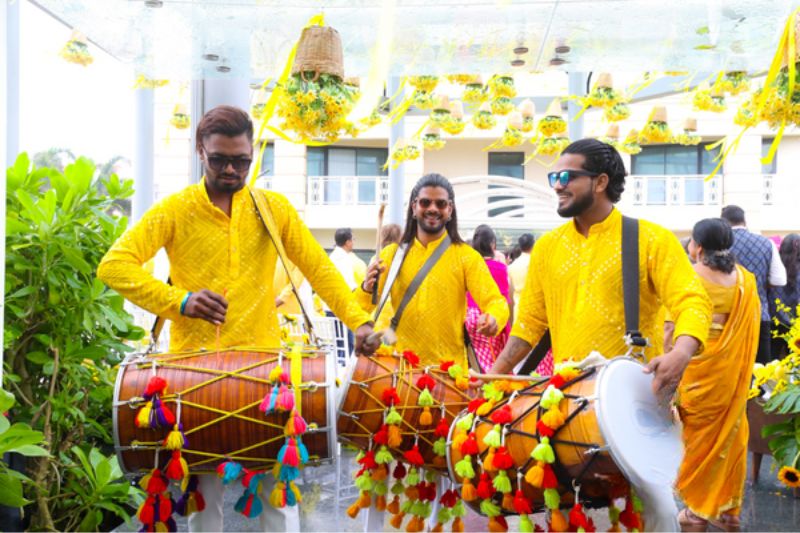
<point x="742" y="180"/>
<point x="143" y="159"/>
<point x="289" y="177"/>
<point x="395" y="214"/>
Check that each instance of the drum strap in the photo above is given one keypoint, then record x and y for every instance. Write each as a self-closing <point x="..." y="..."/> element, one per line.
<point x="265" y="214"/>
<point x="630" y="281"/>
<point x="394" y="270"/>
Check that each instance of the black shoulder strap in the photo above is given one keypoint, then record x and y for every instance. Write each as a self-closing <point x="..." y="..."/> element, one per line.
<point x="630" y="281"/>
<point x="419" y="278"/>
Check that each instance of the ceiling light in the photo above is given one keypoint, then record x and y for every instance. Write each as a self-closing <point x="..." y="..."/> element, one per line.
<point x="563" y="49"/>
<point x="518" y="62"/>
<point x="521" y="50"/>
<point x="557" y="61"/>
<point x="154" y="3"/>
<point x="211" y="57"/>
<point x="224" y="69"/>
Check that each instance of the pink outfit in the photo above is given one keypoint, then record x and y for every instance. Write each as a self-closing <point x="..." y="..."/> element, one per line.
<point x="488" y="348"/>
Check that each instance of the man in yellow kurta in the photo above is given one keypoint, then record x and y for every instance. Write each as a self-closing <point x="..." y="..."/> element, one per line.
<point x="574" y="283"/>
<point x="222" y="264"/>
<point x="432" y="323"/>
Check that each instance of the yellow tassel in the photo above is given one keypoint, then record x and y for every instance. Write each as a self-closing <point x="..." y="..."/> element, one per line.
<point x="380" y="503"/>
<point x="553" y="418"/>
<point x="394" y="505"/>
<point x="161" y="527"/>
<point x="426" y="419"/>
<point x="276" y="469"/>
<point x="275" y="373"/>
<point x="462" y="382"/>
<point x="296" y="490"/>
<point x="397" y="520"/>
<point x="174" y="439"/>
<point x="458" y="440"/>
<point x="276" y="497"/>
<point x="488" y="461"/>
<point x="395" y="437"/>
<point x="458" y="525"/>
<point x="468" y="491"/>
<point x="484" y="408"/>
<point x="535" y="475"/>
<point x="143" y="416"/>
<point x="353" y="510"/>
<point x="185" y="480"/>
<point x="365" y="500"/>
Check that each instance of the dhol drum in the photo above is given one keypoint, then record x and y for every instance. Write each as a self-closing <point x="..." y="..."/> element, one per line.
<point x="612" y="433"/>
<point x="410" y="403"/>
<point x="216" y="397"/>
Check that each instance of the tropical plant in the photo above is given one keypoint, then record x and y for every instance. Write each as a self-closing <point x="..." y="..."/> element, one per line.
<point x="17" y="438"/>
<point x="64" y="334"/>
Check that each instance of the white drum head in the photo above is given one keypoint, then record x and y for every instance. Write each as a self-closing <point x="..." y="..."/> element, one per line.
<point x="642" y="439"/>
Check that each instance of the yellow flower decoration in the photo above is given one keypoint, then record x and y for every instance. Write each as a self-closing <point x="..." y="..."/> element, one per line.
<point x="180" y="121"/>
<point x="484" y="120"/>
<point x="552" y="125"/>
<point x="462" y="79"/>
<point x="502" y="87"/>
<point x="424" y="83"/>
<point x="733" y="83"/>
<point x="687" y="138"/>
<point x="552" y="145"/>
<point x="617" y="112"/>
<point x="527" y="124"/>
<point x="433" y="142"/>
<point x="512" y="137"/>
<point x="424" y="99"/>
<point x="655" y="132"/>
<point x="789" y="476"/>
<point x="454" y="125"/>
<point x="77" y="51"/>
<point x="502" y="105"/>
<point x="705" y="100"/>
<point x="474" y="93"/>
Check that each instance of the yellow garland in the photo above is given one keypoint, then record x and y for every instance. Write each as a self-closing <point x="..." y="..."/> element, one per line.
<point x="551" y="145"/>
<point x="617" y="112"/>
<point x="484" y="120"/>
<point x="462" y="79"/>
<point x="512" y="137"/>
<point x="439" y="117"/>
<point x="552" y="125"/>
<point x="474" y="93"/>
<point x="424" y="99"/>
<point x="433" y="142"/>
<point x="502" y="87"/>
<point x="733" y="83"/>
<point x="76" y="51"/>
<point x="143" y="82"/>
<point x="655" y="132"/>
<point x="687" y="138"/>
<point x="424" y="83"/>
<point x="453" y="125"/>
<point x="180" y="121"/>
<point x="705" y="100"/>
<point x="502" y="106"/>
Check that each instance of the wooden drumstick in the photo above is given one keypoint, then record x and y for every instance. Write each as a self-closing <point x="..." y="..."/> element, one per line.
<point x="378" y="250"/>
<point x="496" y="377"/>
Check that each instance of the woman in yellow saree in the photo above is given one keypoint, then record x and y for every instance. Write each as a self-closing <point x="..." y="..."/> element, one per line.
<point x="712" y="395"/>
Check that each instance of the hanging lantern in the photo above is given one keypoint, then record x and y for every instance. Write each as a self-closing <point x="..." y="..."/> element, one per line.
<point x="455" y="122"/>
<point x="180" y="118"/>
<point x="474" y="92"/>
<point x="710" y="99"/>
<point x="77" y="50"/>
<point x="483" y="119"/>
<point x="631" y="143"/>
<point x="734" y="82"/>
<point x="513" y="134"/>
<point x="689" y="137"/>
<point x="432" y="140"/>
<point x="424" y="84"/>
<point x="656" y="129"/>
<point x="612" y="136"/>
<point x="527" y="109"/>
<point x="617" y="112"/>
<point x="552" y="145"/>
<point x="502" y="87"/>
<point x="603" y="93"/>
<point x="553" y="124"/>
<point x="441" y="112"/>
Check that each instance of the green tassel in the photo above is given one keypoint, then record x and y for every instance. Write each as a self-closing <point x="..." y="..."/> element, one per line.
<point x="551" y="397"/>
<point x="501" y="482"/>
<point x="364" y="482"/>
<point x="613" y="514"/>
<point x="425" y="398"/>
<point x="544" y="452"/>
<point x="427" y="510"/>
<point x="638" y="506"/>
<point x="525" y="524"/>
<point x="398" y="488"/>
<point x="455" y="371"/>
<point x="465" y="424"/>
<point x="393" y="417"/>
<point x="492" y="439"/>
<point x="383" y="456"/>
<point x="458" y="509"/>
<point x="412" y="478"/>
<point x="491" y="393"/>
<point x="405" y="507"/>
<point x="444" y="515"/>
<point x="552" y="498"/>
<point x="440" y="447"/>
<point x="464" y="468"/>
<point x="418" y="508"/>
<point x="489" y="508"/>
<point x="431" y="476"/>
<point x="380" y="489"/>
<point x="360" y="455"/>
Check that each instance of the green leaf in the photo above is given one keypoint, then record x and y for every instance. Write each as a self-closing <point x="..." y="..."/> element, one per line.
<point x="16" y="174"/>
<point x="4" y="423"/>
<point x="91" y="520"/>
<point x="702" y="31"/>
<point x="705" y="47"/>
<point x="11" y="491"/>
<point x="80" y="174"/>
<point x="87" y="467"/>
<point x="75" y="260"/>
<point x="6" y="400"/>
<point x="30" y="450"/>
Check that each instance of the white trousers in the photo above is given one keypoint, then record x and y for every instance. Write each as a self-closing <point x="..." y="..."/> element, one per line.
<point x="213" y="491"/>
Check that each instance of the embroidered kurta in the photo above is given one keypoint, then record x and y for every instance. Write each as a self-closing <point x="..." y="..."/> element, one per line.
<point x="574" y="288"/>
<point x="231" y="255"/>
<point x="712" y="401"/>
<point x="432" y="325"/>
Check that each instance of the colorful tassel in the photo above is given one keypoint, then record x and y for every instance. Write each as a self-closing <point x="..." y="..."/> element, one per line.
<point x="485" y="490"/>
<point x="288" y="454"/>
<point x="464" y="468"/>
<point x="470" y="446"/>
<point x="502" y="415"/>
<point x="557" y="520"/>
<point x="414" y="457"/>
<point x="552" y="498"/>
<point x="191" y="501"/>
<point x="425" y="418"/>
<point x="535" y="475"/>
<point x="295" y="425"/>
<point x="156" y="385"/>
<point x="285" y="400"/>
<point x="498" y="524"/>
<point x="175" y="439"/>
<point x="229" y="471"/>
<point x="525" y="524"/>
<point x="395" y="437"/>
<point x="502" y="460"/>
<point x="501" y="482"/>
<point x="493" y="437"/>
<point x="143" y="416"/>
<point x="249" y="504"/>
<point x="465" y="423"/>
<point x="176" y="469"/>
<point x="468" y="492"/>
<point x="543" y="451"/>
<point x="458" y="525"/>
<point x="390" y="397"/>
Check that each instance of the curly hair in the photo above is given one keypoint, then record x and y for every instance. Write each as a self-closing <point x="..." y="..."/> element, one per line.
<point x="602" y="158"/>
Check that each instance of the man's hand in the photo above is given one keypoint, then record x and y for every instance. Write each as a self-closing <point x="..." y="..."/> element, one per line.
<point x="668" y="368"/>
<point x="278" y="302"/>
<point x="207" y="305"/>
<point x="487" y="325"/>
<point x="366" y="342"/>
<point x="373" y="273"/>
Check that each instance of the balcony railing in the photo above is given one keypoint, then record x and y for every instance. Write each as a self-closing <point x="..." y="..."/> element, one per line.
<point x="767" y="192"/>
<point x="348" y="190"/>
<point x="692" y="189"/>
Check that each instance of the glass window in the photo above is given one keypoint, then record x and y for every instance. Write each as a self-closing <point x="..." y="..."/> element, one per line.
<point x="370" y="161"/>
<point x="508" y="164"/>
<point x="693" y="191"/>
<point x="674" y="160"/>
<point x="315" y="161"/>
<point x="268" y="161"/>
<point x="650" y="162"/>
<point x="680" y="160"/>
<point x="772" y="168"/>
<point x="656" y="191"/>
<point x="708" y="159"/>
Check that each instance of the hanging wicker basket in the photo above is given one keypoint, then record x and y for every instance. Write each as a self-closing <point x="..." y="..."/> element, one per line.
<point x="319" y="52"/>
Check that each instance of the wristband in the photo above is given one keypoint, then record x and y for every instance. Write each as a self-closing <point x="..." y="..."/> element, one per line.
<point x="183" y="302"/>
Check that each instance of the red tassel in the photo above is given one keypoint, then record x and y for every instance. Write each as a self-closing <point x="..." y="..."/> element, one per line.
<point x="502" y="415"/>
<point x="164" y="506"/>
<point x="157" y="483"/>
<point x="399" y="471"/>
<point x="470" y="446"/>
<point x="521" y="503"/>
<point x="557" y="381"/>
<point x="502" y="460"/>
<point x="445" y="365"/>
<point x="156" y="385"/>
<point x="442" y="428"/>
<point x="411" y="358"/>
<point x="382" y="436"/>
<point x="629" y="518"/>
<point x="425" y="381"/>
<point x="174" y="468"/>
<point x="414" y="457"/>
<point x="578" y="519"/>
<point x="485" y="488"/>
<point x="474" y="404"/>
<point x="549" y="480"/>
<point x="368" y="461"/>
<point x="543" y="430"/>
<point x="147" y="510"/>
<point x="290" y="455"/>
<point x="390" y="397"/>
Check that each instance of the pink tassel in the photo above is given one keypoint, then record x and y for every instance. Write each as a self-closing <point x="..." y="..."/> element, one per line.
<point x="296" y="425"/>
<point x="288" y="454"/>
<point x="285" y="400"/>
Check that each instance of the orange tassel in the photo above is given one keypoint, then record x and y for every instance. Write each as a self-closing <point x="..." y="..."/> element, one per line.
<point x="496" y="526"/>
<point x="412" y="493"/>
<point x="365" y="500"/>
<point x="438" y="528"/>
<point x="353" y="510"/>
<point x="394" y="505"/>
<point x="380" y="503"/>
<point x="535" y="475"/>
<point x="395" y="437"/>
<point x="468" y="491"/>
<point x="488" y="461"/>
<point x="557" y="521"/>
<point x="415" y="524"/>
<point x="458" y="525"/>
<point x="397" y="520"/>
<point x="508" y="502"/>
<point x="380" y="473"/>
<point x="426" y="419"/>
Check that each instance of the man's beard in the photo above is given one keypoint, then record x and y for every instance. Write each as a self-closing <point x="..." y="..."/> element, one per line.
<point x="220" y="185"/>
<point x="433" y="230"/>
<point x="578" y="206"/>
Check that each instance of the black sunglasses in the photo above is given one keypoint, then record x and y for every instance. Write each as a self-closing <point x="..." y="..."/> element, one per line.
<point x="425" y="203"/>
<point x="565" y="176"/>
<point x="218" y="163"/>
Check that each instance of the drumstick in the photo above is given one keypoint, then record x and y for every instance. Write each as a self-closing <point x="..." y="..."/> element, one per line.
<point x="495" y="377"/>
<point x="378" y="250"/>
<point x="219" y="326"/>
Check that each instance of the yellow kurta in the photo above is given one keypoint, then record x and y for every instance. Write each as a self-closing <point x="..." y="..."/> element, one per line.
<point x="231" y="255"/>
<point x="433" y="321"/>
<point x="712" y="400"/>
<point x="574" y="288"/>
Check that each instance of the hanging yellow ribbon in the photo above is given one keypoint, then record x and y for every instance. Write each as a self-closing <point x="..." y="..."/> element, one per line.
<point x="296" y="374"/>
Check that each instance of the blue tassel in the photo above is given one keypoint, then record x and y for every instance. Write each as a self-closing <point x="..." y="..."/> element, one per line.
<point x="301" y="448"/>
<point x="273" y="398"/>
<point x="230" y="472"/>
<point x="288" y="473"/>
<point x="291" y="499"/>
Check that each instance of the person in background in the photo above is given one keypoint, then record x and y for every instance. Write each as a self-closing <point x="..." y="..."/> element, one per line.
<point x="712" y="395"/>
<point x="486" y="348"/>
<point x="352" y="269"/>
<point x="513" y="253"/>
<point x="518" y="270"/>
<point x="789" y="294"/>
<point x="759" y="255"/>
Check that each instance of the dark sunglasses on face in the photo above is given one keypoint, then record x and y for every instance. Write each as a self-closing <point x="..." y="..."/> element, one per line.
<point x="425" y="203"/>
<point x="565" y="176"/>
<point x="218" y="163"/>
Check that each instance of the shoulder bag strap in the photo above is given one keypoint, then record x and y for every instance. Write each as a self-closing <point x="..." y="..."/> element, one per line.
<point x="391" y="277"/>
<point x="630" y="281"/>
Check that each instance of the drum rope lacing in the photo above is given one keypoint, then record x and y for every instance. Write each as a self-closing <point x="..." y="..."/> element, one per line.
<point x="166" y="361"/>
